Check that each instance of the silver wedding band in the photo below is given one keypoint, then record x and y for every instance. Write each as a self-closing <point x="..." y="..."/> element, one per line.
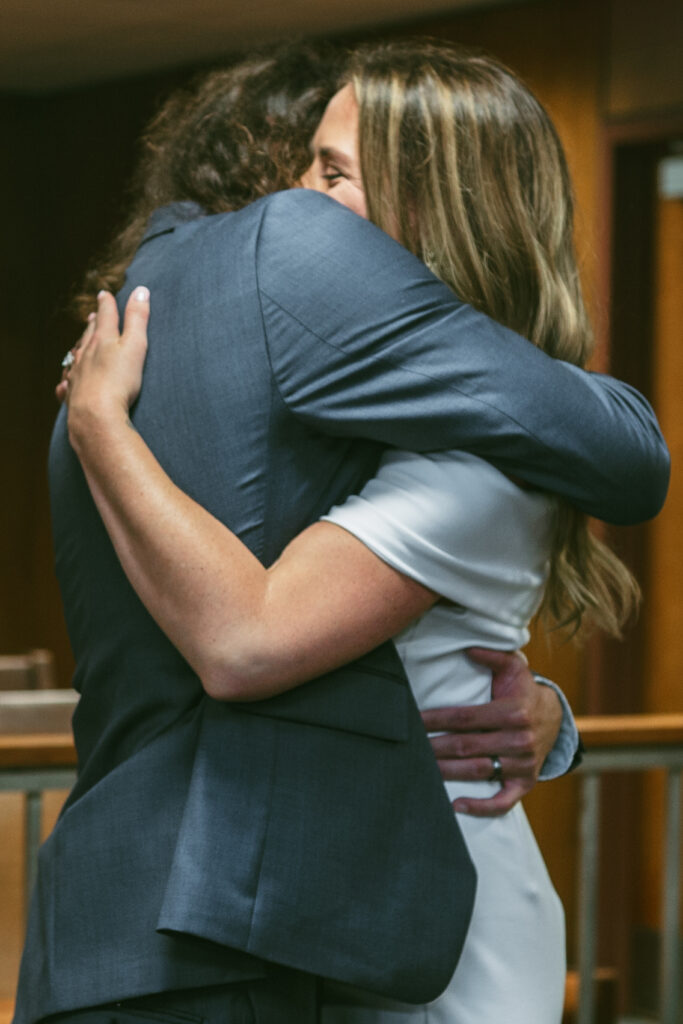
<point x="497" y="773"/>
<point x="68" y="360"/>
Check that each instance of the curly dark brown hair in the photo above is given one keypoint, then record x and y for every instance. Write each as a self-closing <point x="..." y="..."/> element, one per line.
<point x="237" y="134"/>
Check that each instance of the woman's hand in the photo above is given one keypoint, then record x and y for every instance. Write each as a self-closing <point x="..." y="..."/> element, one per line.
<point x="106" y="375"/>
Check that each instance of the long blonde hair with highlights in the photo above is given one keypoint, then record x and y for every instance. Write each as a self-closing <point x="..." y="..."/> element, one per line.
<point x="463" y="165"/>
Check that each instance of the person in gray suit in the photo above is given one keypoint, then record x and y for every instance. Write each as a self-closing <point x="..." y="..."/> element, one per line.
<point x="205" y="843"/>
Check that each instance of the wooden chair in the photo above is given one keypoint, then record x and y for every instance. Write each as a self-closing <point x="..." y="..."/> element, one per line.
<point x="32" y="671"/>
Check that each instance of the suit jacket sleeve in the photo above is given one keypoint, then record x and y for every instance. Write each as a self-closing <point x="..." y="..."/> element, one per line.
<point x="364" y="341"/>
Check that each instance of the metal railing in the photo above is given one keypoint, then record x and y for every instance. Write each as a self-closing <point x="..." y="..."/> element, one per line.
<point x="630" y="743"/>
<point x="31" y="764"/>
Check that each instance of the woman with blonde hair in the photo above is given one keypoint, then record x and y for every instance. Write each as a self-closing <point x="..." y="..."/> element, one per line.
<point x="454" y="158"/>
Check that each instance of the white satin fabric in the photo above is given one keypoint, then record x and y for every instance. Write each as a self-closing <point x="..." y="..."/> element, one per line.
<point x="457" y="525"/>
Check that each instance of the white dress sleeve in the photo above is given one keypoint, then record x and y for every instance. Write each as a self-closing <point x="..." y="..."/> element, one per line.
<point x="457" y="525"/>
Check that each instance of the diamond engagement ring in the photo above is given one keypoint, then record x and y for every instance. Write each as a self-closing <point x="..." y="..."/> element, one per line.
<point x="497" y="774"/>
<point x="68" y="360"/>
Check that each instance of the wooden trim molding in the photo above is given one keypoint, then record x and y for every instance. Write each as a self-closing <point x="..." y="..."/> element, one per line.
<point x="630" y="730"/>
<point x="37" y="750"/>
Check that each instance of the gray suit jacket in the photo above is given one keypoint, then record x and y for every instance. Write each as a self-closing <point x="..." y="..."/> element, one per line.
<point x="289" y="342"/>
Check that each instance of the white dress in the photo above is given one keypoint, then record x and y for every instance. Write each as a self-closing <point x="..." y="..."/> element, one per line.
<point x="457" y="525"/>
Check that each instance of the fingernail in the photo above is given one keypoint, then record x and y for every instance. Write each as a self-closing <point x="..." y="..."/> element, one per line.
<point x="101" y="293"/>
<point x="91" y="317"/>
<point x="142" y="294"/>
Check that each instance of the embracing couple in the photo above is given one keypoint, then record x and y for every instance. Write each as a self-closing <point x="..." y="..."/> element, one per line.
<point x="342" y="469"/>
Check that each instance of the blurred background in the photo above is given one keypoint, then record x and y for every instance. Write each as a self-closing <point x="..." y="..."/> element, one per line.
<point x="77" y="84"/>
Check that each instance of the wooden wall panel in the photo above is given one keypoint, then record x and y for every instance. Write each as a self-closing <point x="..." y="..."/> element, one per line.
<point x="645" y="71"/>
<point x="12" y="889"/>
<point x="663" y="613"/>
<point x="19" y="440"/>
<point x="66" y="171"/>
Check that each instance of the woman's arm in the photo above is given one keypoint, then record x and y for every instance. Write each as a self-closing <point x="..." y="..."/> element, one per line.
<point x="249" y="632"/>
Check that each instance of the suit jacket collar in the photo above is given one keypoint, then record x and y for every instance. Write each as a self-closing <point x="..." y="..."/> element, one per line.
<point x="168" y="218"/>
